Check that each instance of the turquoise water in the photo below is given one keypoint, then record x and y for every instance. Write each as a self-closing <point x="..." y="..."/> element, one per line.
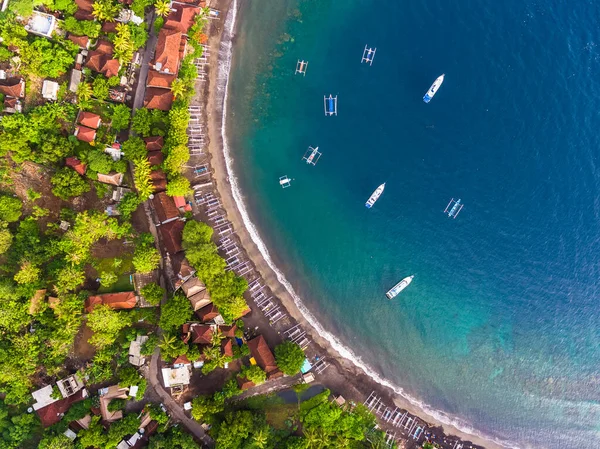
<point x="500" y="329"/>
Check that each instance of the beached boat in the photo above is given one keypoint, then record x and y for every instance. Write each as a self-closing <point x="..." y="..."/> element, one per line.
<point x="375" y="196"/>
<point x="396" y="289"/>
<point x="434" y="88"/>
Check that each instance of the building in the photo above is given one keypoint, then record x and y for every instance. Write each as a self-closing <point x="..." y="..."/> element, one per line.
<point x="13" y="87"/>
<point x="165" y="208"/>
<point x="197" y="333"/>
<point x="154" y="143"/>
<point x="84" y="10"/>
<point x="50" y="405"/>
<point x="41" y="24"/>
<point x="196" y="292"/>
<point x="116" y="301"/>
<point x="157" y="98"/>
<point x="207" y="313"/>
<point x="181" y="18"/>
<point x="176" y="378"/>
<point x="82" y="42"/>
<point x="50" y="90"/>
<point x="159" y="181"/>
<point x="88" y="122"/>
<point x="107" y="395"/>
<point x="135" y="348"/>
<point x="100" y="60"/>
<point x="168" y="51"/>
<point x="115" y="179"/>
<point x="161" y="80"/>
<point x="76" y="165"/>
<point x="155" y="158"/>
<point x="263" y="356"/>
<point x="172" y="235"/>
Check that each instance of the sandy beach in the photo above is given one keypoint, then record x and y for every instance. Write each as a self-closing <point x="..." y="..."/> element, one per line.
<point x="342" y="376"/>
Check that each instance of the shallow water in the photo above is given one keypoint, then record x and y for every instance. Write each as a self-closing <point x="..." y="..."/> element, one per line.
<point x="500" y="328"/>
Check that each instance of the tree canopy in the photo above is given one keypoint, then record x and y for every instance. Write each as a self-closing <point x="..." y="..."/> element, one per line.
<point x="289" y="357"/>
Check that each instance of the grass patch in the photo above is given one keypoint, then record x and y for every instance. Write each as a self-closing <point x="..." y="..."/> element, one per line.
<point x="278" y="415"/>
<point x="123" y="284"/>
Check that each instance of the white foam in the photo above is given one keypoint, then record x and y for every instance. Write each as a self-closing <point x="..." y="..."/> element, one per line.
<point x="225" y="53"/>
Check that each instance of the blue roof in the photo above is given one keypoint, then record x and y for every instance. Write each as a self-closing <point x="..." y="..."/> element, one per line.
<point x="306" y="366"/>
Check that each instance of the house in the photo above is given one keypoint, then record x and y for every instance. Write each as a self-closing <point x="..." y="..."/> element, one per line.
<point x="182" y="270"/>
<point x="161" y="80"/>
<point x="84" y="133"/>
<point x="51" y="405"/>
<point x="181" y="18"/>
<point x="197" y="333"/>
<point x="244" y="383"/>
<point x="12" y="105"/>
<point x="154" y="143"/>
<point x="176" y="378"/>
<point x="13" y="87"/>
<point x="181" y="361"/>
<point x="227" y="347"/>
<point x="168" y="51"/>
<point x="172" y="236"/>
<point x="192" y="286"/>
<point x="180" y="202"/>
<point x="114" y="151"/>
<point x="109" y="27"/>
<point x="89" y="119"/>
<point x="228" y="331"/>
<point x="76" y="165"/>
<point x="75" y="80"/>
<point x="263" y="356"/>
<point x="207" y="313"/>
<point x="116" y="301"/>
<point x="159" y="181"/>
<point x="165" y="208"/>
<point x="50" y="90"/>
<point x="114" y="179"/>
<point x="69" y="385"/>
<point x="82" y="42"/>
<point x="119" y="193"/>
<point x="100" y="60"/>
<point x="41" y="24"/>
<point x="155" y="158"/>
<point x="135" y="347"/>
<point x="157" y="98"/>
<point x="84" y="10"/>
<point x="107" y="395"/>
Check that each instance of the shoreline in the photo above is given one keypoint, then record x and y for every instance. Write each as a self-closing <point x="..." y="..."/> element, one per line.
<point x="344" y="376"/>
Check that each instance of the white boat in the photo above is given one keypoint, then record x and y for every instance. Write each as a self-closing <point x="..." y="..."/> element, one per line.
<point x="434" y="88"/>
<point x="375" y="196"/>
<point x="396" y="289"/>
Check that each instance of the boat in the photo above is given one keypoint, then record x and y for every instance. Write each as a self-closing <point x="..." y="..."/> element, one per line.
<point x="312" y="156"/>
<point x="368" y="55"/>
<point x="375" y="196"/>
<point x="434" y="88"/>
<point x="453" y="208"/>
<point x="330" y="105"/>
<point x="396" y="289"/>
<point x="285" y="182"/>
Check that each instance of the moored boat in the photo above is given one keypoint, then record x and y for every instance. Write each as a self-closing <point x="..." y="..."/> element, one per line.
<point x="396" y="289"/>
<point x="434" y="88"/>
<point x="375" y="196"/>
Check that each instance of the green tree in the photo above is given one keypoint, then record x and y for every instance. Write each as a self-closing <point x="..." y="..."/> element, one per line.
<point x="58" y="441"/>
<point x="289" y="357"/>
<point x="235" y="429"/>
<point x="69" y="278"/>
<point x="148" y="347"/>
<point x="141" y="176"/>
<point x="106" y="325"/>
<point x="139" y="35"/>
<point x="146" y="257"/>
<point x="139" y="6"/>
<point x="142" y="122"/>
<point x="176" y="159"/>
<point x="162" y="7"/>
<point x="108" y="278"/>
<point x="84" y="91"/>
<point x="121" y="115"/>
<point x="28" y="273"/>
<point x="178" y="88"/>
<point x="178" y="186"/>
<point x="89" y="28"/>
<point x="121" y="428"/>
<point x="66" y="183"/>
<point x="10" y="208"/>
<point x="175" y="312"/>
<point x="99" y="162"/>
<point x="66" y="6"/>
<point x="172" y="347"/>
<point x="6" y="238"/>
<point x="153" y="293"/>
<point x="128" y="205"/>
<point x="100" y="87"/>
<point x="254" y="374"/>
<point x="134" y="148"/>
<point x="123" y="44"/>
<point x="106" y="10"/>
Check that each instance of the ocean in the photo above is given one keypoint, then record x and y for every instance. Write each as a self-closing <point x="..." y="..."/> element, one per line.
<point x="499" y="332"/>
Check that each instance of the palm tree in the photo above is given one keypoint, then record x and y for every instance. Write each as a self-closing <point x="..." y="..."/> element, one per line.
<point x="123" y="44"/>
<point x="84" y="92"/>
<point x="162" y="7"/>
<point x="178" y="89"/>
<point x="168" y="343"/>
<point x="342" y="442"/>
<point x="313" y="439"/>
<point x="106" y="10"/>
<point x="260" y="438"/>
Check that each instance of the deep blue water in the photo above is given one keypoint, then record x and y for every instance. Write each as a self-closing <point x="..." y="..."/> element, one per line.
<point x="501" y="326"/>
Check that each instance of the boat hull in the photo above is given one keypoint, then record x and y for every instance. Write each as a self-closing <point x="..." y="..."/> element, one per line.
<point x="399" y="287"/>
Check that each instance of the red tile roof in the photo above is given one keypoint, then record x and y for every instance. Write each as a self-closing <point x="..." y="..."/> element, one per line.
<point x="181" y="360"/>
<point x="104" y="46"/>
<point x="263" y="355"/>
<point x="85" y="134"/>
<point x="166" y="58"/>
<point x="116" y="301"/>
<point x="165" y="207"/>
<point x="207" y="313"/>
<point x="172" y="235"/>
<point x="102" y="63"/>
<point x="244" y="383"/>
<point x="52" y="413"/>
<point x="157" y="98"/>
<point x="80" y="41"/>
<point x="227" y="347"/>
<point x="181" y="18"/>
<point x="111" y="68"/>
<point x="84" y="11"/>
<point x="13" y="87"/>
<point x="109" y="27"/>
<point x="76" y="165"/>
<point x="156" y="79"/>
<point x="198" y="333"/>
<point x="179" y="201"/>
<point x="88" y="119"/>
<point x="155" y="158"/>
<point x="228" y="331"/>
<point x="154" y="143"/>
<point x="10" y="102"/>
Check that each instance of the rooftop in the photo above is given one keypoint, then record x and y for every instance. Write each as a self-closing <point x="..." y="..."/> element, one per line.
<point x="114" y="179"/>
<point x="53" y="412"/>
<point x="181" y="17"/>
<point x="84" y="133"/>
<point x="13" y="87"/>
<point x="154" y="143"/>
<point x="165" y="207"/>
<point x="157" y="98"/>
<point x="162" y="80"/>
<point x="166" y="57"/>
<point x="116" y="301"/>
<point x="88" y="119"/>
<point x="263" y="356"/>
<point x="176" y="376"/>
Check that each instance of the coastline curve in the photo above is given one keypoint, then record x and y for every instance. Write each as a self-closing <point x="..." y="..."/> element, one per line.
<point x="222" y="83"/>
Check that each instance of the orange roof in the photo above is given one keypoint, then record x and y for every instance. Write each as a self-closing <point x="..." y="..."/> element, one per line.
<point x="111" y="68"/>
<point x="13" y="87"/>
<point x="154" y="143"/>
<point x="179" y="201"/>
<point x="117" y="301"/>
<point x="85" y="134"/>
<point x="84" y="11"/>
<point x="244" y="383"/>
<point x="156" y="79"/>
<point x="228" y="331"/>
<point x="181" y="18"/>
<point x="227" y="347"/>
<point x="155" y="158"/>
<point x="88" y="119"/>
<point x="165" y="207"/>
<point x="105" y="47"/>
<point x="181" y="360"/>
<point x="109" y="27"/>
<point x="198" y="333"/>
<point x="76" y="165"/>
<point x="157" y="98"/>
<point x="263" y="355"/>
<point x="166" y="58"/>
<point x="172" y="236"/>
<point x="207" y="312"/>
<point x="80" y="41"/>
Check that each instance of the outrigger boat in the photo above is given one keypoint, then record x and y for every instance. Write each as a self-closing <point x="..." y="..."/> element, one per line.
<point x="453" y="208"/>
<point x="368" y="55"/>
<point x="375" y="196"/>
<point x="301" y="67"/>
<point x="312" y="156"/>
<point x="285" y="182"/>
<point x="396" y="289"/>
<point x="330" y="104"/>
<point x="434" y="88"/>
